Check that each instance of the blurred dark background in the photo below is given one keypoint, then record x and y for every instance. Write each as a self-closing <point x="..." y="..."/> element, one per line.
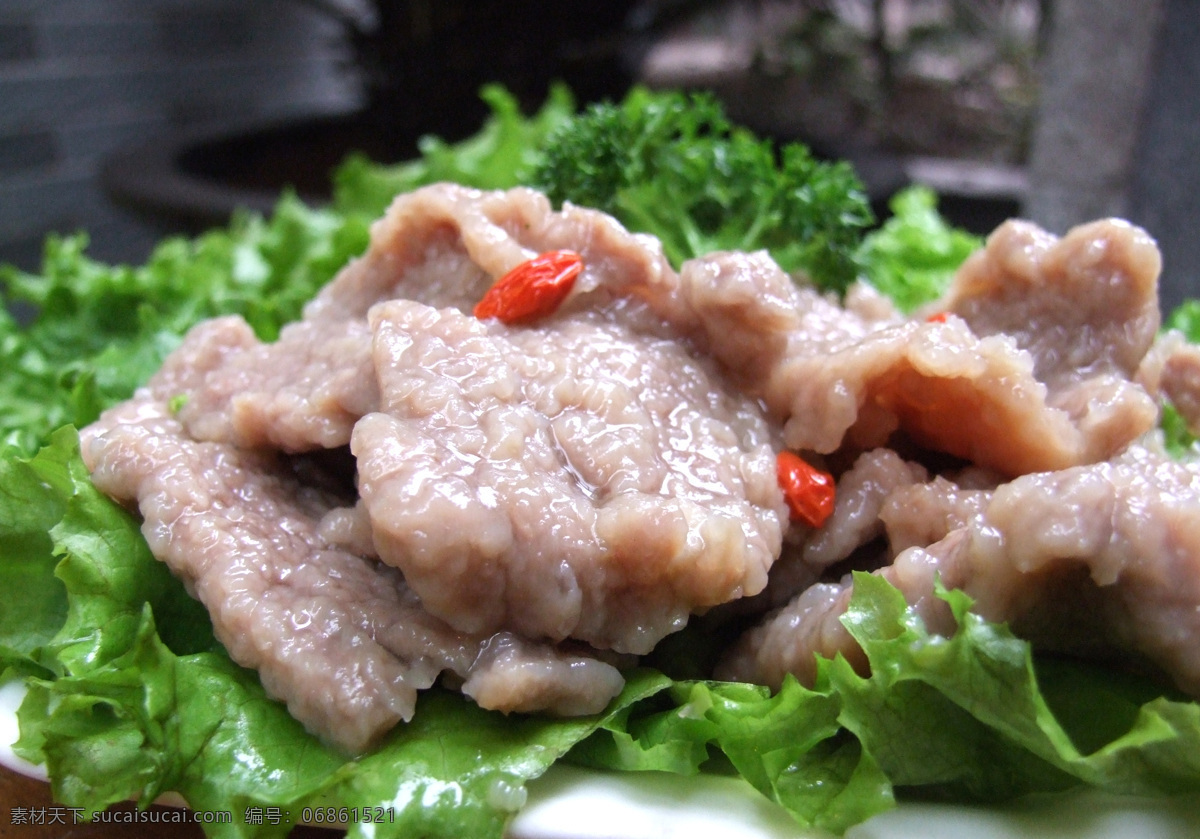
<point x="80" y="79"/>
<point x="132" y="119"/>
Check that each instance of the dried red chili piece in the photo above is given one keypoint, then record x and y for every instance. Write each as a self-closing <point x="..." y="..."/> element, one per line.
<point x="939" y="317"/>
<point x="532" y="290"/>
<point x="809" y="492"/>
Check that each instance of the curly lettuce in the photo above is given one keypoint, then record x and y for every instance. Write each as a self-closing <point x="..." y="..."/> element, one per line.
<point x="121" y="665"/>
<point x="100" y="330"/>
<point x="912" y="257"/>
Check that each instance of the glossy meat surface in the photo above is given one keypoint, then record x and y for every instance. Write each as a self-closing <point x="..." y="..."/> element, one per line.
<point x="396" y="489"/>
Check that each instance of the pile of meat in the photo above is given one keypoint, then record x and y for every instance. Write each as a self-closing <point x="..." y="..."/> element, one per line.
<point x="397" y="491"/>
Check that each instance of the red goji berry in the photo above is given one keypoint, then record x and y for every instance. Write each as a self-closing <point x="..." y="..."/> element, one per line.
<point x="532" y="290"/>
<point x="809" y="492"/>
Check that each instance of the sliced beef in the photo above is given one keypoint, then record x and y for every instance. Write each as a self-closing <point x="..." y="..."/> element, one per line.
<point x="574" y="480"/>
<point x="1172" y="370"/>
<point x="396" y="490"/>
<point x="1102" y="559"/>
<point x="595" y="478"/>
<point x="1029" y="366"/>
<point x="302" y="392"/>
<point x="340" y="638"/>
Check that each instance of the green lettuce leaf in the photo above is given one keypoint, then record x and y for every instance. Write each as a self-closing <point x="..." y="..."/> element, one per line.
<point x="99" y="331"/>
<point x="34" y="600"/>
<point x="1177" y="437"/>
<point x="502" y="154"/>
<point x="985" y="730"/>
<point x="122" y="667"/>
<point x="121" y="712"/>
<point x="115" y="711"/>
<point x="913" y="255"/>
<point x="964" y="718"/>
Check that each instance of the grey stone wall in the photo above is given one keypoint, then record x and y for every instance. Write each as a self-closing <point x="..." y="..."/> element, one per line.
<point x="1095" y="77"/>
<point x="1165" y="188"/>
<point x="79" y="78"/>
<point x="1118" y="130"/>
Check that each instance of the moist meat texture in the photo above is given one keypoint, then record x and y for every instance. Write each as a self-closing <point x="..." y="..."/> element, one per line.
<point x="593" y="482"/>
<point x="1100" y="560"/>
<point x="522" y="497"/>
<point x="1070" y="524"/>
<point x="397" y="490"/>
<point x="1030" y="368"/>
<point x="339" y="637"/>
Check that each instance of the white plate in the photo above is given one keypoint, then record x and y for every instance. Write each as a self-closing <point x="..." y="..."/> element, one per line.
<point x="571" y="803"/>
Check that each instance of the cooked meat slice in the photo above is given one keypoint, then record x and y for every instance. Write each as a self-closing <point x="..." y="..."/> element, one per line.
<point x="1181" y="384"/>
<point x="511" y="674"/>
<point x="611" y="477"/>
<point x="789" y="640"/>
<point x="1082" y="305"/>
<point x="1172" y="369"/>
<point x="304" y="391"/>
<point x="862" y="490"/>
<point x="854" y="525"/>
<point x="1020" y="377"/>
<point x="920" y="514"/>
<point x="579" y="479"/>
<point x="339" y="638"/>
<point x="1085" y="307"/>
<point x="744" y="309"/>
<point x="1101" y="559"/>
<point x="444" y="245"/>
<point x="596" y="475"/>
